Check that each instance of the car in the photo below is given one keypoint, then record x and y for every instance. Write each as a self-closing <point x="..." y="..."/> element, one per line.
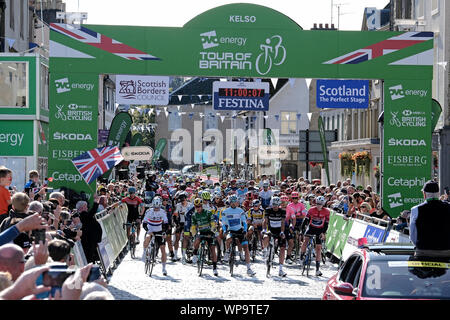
<point x="173" y="172"/>
<point x="389" y="271"/>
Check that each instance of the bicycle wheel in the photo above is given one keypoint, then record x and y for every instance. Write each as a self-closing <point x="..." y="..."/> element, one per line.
<point x="132" y="246"/>
<point x="201" y="258"/>
<point x="254" y="247"/>
<point x="324" y="253"/>
<point x="147" y="262"/>
<point x="232" y="257"/>
<point x="269" y="259"/>
<point x="152" y="258"/>
<point x="307" y="261"/>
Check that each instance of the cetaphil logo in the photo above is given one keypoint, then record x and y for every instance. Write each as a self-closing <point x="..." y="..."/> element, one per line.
<point x="396" y="92"/>
<point x="209" y="39"/>
<point x="62" y="85"/>
<point x="72" y="136"/>
<point x="406" y="142"/>
<point x="58" y="176"/>
<point x="395" y="200"/>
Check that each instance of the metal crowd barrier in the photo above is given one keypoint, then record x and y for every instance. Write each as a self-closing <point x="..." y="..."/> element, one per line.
<point x="112" y="248"/>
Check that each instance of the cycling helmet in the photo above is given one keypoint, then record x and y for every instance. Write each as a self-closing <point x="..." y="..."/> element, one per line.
<point x="132" y="190"/>
<point x="198" y="202"/>
<point x="165" y="196"/>
<point x="265" y="184"/>
<point x="256" y="202"/>
<point x="320" y="200"/>
<point x="276" y="201"/>
<point x="182" y="197"/>
<point x="284" y="198"/>
<point x="206" y="195"/>
<point x="249" y="195"/>
<point x="294" y="195"/>
<point x="233" y="198"/>
<point x="217" y="193"/>
<point x="156" y="203"/>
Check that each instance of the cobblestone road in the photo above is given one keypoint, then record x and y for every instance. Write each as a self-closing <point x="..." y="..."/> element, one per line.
<point x="129" y="282"/>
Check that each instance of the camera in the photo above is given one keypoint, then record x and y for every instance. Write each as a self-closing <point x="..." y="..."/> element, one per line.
<point x="94" y="274"/>
<point x="39" y="235"/>
<point x="56" y="277"/>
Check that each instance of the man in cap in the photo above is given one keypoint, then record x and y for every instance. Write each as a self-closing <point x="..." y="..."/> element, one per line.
<point x="430" y="224"/>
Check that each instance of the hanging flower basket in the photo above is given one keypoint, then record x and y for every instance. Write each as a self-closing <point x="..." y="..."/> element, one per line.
<point x="363" y="162"/>
<point x="347" y="164"/>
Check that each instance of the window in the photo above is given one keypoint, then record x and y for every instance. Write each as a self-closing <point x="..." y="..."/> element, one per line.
<point x="11" y="14"/>
<point x="288" y="122"/>
<point x="420" y="9"/>
<point x="434" y="7"/>
<point x="44" y="87"/>
<point x="13" y="84"/>
<point x="174" y="121"/>
<point x="18" y="167"/>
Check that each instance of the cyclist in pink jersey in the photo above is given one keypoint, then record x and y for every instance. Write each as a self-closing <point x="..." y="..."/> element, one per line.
<point x="295" y="212"/>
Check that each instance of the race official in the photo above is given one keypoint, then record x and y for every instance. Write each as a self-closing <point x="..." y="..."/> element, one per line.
<point x="430" y="224"/>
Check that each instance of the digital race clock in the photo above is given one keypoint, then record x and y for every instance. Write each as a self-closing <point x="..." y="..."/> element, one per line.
<point x="234" y="95"/>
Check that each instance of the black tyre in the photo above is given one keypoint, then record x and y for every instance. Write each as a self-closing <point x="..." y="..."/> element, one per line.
<point x="201" y="259"/>
<point x="269" y="260"/>
<point x="152" y="259"/>
<point x="232" y="258"/>
<point x="132" y="247"/>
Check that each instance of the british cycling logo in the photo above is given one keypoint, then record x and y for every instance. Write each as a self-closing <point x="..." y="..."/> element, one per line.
<point x="408" y="119"/>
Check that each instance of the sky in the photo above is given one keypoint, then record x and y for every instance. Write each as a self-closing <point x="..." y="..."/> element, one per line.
<point x="175" y="13"/>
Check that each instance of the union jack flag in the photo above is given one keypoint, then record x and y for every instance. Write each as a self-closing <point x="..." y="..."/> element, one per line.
<point x="101" y="41"/>
<point x="96" y="162"/>
<point x="382" y="48"/>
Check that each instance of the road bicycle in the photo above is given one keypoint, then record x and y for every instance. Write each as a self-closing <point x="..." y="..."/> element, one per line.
<point x="202" y="252"/>
<point x="272" y="248"/>
<point x="233" y="247"/>
<point x="132" y="238"/>
<point x="309" y="255"/>
<point x="254" y="245"/>
<point x="150" y="257"/>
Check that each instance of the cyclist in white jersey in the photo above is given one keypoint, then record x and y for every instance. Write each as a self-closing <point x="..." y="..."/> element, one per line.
<point x="179" y="217"/>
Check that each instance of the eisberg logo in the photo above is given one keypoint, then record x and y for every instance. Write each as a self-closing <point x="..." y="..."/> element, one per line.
<point x="406" y="142"/>
<point x="72" y="136"/>
<point x="397" y="92"/>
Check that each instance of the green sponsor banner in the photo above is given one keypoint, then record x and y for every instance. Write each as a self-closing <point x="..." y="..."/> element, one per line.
<point x="120" y="127"/>
<point x="16" y="138"/>
<point x="159" y="149"/>
<point x="136" y="140"/>
<point x="324" y="147"/>
<point x="73" y="127"/>
<point x="241" y="40"/>
<point x="436" y="111"/>
<point x="406" y="143"/>
<point x="42" y="132"/>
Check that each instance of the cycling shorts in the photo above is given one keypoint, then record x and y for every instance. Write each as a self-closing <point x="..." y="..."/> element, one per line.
<point x="131" y="217"/>
<point x="160" y="241"/>
<point x="315" y="232"/>
<point x="276" y="234"/>
<point x="179" y="228"/>
<point x="298" y="223"/>
<point x="210" y="238"/>
<point x="240" y="235"/>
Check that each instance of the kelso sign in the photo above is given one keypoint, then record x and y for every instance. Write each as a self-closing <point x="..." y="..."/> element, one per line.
<point x="248" y="41"/>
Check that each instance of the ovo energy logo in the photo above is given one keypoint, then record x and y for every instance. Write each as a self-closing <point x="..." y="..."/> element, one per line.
<point x="396" y="92"/>
<point x="209" y="39"/>
<point x="395" y="200"/>
<point x="62" y="85"/>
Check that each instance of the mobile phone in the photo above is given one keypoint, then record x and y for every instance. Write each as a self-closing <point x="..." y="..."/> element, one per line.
<point x="56" y="277"/>
<point x="94" y="274"/>
<point x="49" y="190"/>
<point x="39" y="235"/>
